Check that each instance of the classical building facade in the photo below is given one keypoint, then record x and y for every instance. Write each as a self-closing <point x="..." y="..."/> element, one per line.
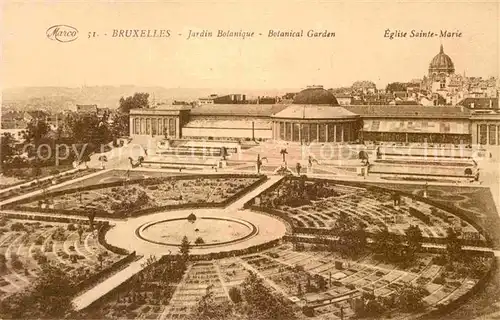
<point x="314" y="115"/>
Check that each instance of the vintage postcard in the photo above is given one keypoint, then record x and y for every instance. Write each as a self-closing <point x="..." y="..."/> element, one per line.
<point x="250" y="160"/>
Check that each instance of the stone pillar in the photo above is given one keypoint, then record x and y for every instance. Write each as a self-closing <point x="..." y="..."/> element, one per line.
<point x="291" y="131"/>
<point x="342" y="131"/>
<point x="317" y="132"/>
<point x="326" y="131"/>
<point x="131" y="126"/>
<point x="177" y="128"/>
<point x="300" y="132"/>
<point x="334" y="133"/>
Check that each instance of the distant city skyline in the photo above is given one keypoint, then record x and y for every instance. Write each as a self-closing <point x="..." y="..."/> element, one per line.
<point x="359" y="51"/>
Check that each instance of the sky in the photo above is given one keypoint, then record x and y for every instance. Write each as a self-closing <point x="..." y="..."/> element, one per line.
<point x="359" y="50"/>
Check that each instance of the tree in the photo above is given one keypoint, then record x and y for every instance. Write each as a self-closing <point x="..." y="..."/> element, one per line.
<point x="389" y="244"/>
<point x="185" y="248"/>
<point x="50" y="297"/>
<point x="207" y="308"/>
<point x="264" y="304"/>
<point x="351" y="235"/>
<point x="453" y="244"/>
<point x="35" y="131"/>
<point x="396" y="86"/>
<point x="410" y="298"/>
<point x="7" y="150"/>
<point x="91" y="216"/>
<point x="121" y="119"/>
<point x="100" y="258"/>
<point x="283" y="153"/>
<point x="235" y="295"/>
<point x="414" y="239"/>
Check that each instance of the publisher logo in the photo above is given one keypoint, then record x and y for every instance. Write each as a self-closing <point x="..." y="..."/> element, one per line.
<point x="62" y="33"/>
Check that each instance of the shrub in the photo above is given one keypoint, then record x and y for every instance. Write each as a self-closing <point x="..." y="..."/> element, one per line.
<point x="199" y="240"/>
<point x="439" y="280"/>
<point x="350" y="286"/>
<point x="17" y="226"/>
<point x="235" y="295"/>
<point x="17" y="264"/>
<point x="39" y="241"/>
<point x="54" y="171"/>
<point x="71" y="227"/>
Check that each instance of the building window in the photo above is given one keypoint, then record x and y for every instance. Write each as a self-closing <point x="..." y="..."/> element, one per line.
<point x="322" y="132"/>
<point x="305" y="133"/>
<point x="296" y="132"/>
<point x="154" y="126"/>
<point x="288" y="131"/>
<point x="492" y="134"/>
<point x="171" y="127"/>
<point x="483" y="134"/>
<point x="498" y="133"/>
<point x="137" y="126"/>
<point x="148" y="126"/>
<point x="338" y="134"/>
<point x="314" y="132"/>
<point x="143" y="125"/>
<point x="331" y="132"/>
<point x="160" y="126"/>
<point x="165" y="126"/>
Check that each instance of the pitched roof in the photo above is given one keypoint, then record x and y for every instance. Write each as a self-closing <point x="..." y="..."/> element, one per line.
<point x="256" y="110"/>
<point x="480" y="103"/>
<point x="298" y="111"/>
<point x="409" y="111"/>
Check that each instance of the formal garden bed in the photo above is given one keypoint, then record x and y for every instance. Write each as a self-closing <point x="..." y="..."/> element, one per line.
<point x="16" y="176"/>
<point x="43" y="184"/>
<point x="117" y="199"/>
<point x="146" y="294"/>
<point x="315" y="205"/>
<point x="475" y="202"/>
<point x="28" y="246"/>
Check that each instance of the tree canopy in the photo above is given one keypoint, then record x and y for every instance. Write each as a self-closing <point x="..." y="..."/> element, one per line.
<point x="138" y="100"/>
<point x="49" y="298"/>
<point x="396" y="86"/>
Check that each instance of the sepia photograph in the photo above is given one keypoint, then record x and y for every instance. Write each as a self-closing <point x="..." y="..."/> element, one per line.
<point x="250" y="160"/>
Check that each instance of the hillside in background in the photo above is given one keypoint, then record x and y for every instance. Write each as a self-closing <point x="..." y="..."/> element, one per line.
<point x="65" y="98"/>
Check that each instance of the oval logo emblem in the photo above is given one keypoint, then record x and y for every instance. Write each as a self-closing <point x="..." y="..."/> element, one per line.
<point x="62" y="33"/>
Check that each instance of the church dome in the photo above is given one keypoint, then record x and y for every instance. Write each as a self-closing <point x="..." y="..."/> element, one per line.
<point x="441" y="63"/>
<point x="315" y="95"/>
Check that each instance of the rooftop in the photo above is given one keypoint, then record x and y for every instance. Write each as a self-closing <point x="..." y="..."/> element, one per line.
<point x="256" y="110"/>
<point x="296" y="111"/>
<point x="409" y="111"/>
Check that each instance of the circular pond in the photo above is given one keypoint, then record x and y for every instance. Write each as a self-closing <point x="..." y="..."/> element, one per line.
<point x="212" y="230"/>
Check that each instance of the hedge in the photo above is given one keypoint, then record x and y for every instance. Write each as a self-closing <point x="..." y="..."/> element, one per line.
<point x="102" y="240"/>
<point x="95" y="278"/>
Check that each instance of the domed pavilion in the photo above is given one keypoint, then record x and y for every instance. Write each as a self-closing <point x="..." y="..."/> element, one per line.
<point x="315" y="116"/>
<point x="441" y="65"/>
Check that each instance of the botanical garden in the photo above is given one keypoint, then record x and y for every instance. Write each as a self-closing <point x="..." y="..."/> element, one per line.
<point x="240" y="246"/>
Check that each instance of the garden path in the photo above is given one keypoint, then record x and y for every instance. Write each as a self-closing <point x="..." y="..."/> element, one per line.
<point x="37" y="192"/>
<point x="90" y="296"/>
